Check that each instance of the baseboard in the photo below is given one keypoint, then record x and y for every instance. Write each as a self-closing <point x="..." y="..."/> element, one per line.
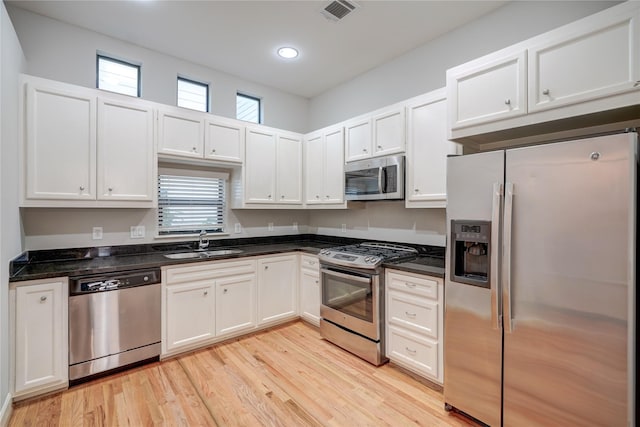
<point x="5" y="411"/>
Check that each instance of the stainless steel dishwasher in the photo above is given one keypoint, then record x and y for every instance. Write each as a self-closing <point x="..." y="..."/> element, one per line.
<point x="114" y="321"/>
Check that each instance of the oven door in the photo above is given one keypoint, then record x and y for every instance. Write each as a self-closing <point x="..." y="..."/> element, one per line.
<point x="351" y="299"/>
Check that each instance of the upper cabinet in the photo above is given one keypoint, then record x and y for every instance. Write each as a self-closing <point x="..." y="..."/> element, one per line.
<point x="324" y="168"/>
<point x="191" y="134"/>
<point x="83" y="150"/>
<point x="376" y="134"/>
<point x="272" y="168"/>
<point x="545" y="87"/>
<point x="427" y="151"/>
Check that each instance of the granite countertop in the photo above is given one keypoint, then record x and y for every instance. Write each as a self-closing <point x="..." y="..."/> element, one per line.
<point x="44" y="264"/>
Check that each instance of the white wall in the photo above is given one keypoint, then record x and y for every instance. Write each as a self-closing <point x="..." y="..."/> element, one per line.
<point x="67" y="53"/>
<point x="12" y="61"/>
<point x="423" y="69"/>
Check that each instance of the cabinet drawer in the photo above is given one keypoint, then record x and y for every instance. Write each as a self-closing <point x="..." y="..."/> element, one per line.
<point x="411" y="312"/>
<point x="416" y="353"/>
<point x="309" y="262"/>
<point x="208" y="270"/>
<point x="421" y="286"/>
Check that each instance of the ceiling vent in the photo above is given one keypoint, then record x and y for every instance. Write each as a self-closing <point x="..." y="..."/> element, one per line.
<point x="338" y="9"/>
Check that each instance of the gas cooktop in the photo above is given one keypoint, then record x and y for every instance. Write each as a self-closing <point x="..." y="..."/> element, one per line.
<point x="366" y="255"/>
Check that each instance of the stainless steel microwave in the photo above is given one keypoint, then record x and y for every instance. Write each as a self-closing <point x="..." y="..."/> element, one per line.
<point x="375" y="179"/>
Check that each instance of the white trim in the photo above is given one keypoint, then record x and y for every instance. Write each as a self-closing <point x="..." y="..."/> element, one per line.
<point x="5" y="411"/>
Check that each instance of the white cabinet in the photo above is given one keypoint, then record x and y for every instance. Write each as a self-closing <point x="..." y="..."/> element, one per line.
<point x="185" y="133"/>
<point x="310" y="289"/>
<point x="39" y="336"/>
<point x="324" y="167"/>
<point x="379" y="133"/>
<point x="126" y="156"/>
<point x="277" y="288"/>
<point x="584" y="75"/>
<point x="235" y="304"/>
<point x="84" y="150"/>
<point x="273" y="167"/>
<point x="427" y="151"/>
<point x="414" y="316"/>
<point x="205" y="300"/>
<point x="491" y="89"/>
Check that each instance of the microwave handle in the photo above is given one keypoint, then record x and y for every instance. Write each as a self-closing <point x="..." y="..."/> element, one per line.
<point x="381" y="181"/>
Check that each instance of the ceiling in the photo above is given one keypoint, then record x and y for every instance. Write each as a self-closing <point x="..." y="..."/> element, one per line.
<point x="241" y="37"/>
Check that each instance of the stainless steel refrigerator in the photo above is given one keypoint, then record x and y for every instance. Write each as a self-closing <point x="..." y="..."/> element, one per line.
<point x="540" y="284"/>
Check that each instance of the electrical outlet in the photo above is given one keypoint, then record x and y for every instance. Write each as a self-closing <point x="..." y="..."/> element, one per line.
<point x="295" y="226"/>
<point x="137" y="231"/>
<point x="344" y="228"/>
<point x="270" y="226"/>
<point x="238" y="227"/>
<point x="97" y="233"/>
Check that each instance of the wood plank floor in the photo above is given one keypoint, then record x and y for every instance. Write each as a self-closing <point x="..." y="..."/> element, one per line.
<point x="285" y="376"/>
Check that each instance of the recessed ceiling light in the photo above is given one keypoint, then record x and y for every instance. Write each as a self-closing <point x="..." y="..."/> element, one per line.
<point x="287" y="52"/>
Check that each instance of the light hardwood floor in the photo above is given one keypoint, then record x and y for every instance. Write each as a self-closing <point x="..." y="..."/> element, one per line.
<point x="285" y="376"/>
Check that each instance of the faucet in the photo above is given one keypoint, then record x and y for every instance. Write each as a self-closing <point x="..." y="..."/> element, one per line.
<point x="202" y="242"/>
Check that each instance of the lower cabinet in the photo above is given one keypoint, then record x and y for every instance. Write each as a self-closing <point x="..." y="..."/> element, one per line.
<point x="190" y="314"/>
<point x="40" y="336"/>
<point x="235" y="304"/>
<point x="277" y="288"/>
<point x="310" y="289"/>
<point x="414" y="320"/>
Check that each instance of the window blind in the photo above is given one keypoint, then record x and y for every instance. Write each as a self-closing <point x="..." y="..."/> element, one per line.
<point x="189" y="204"/>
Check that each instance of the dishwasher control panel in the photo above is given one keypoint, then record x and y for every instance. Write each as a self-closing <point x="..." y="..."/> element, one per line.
<point x="112" y="281"/>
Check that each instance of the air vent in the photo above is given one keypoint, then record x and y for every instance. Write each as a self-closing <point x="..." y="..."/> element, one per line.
<point x="338" y="9"/>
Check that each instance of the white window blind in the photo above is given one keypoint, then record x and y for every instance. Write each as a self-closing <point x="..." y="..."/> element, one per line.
<point x="118" y="76"/>
<point x="193" y="95"/>
<point x="248" y="108"/>
<point x="189" y="204"/>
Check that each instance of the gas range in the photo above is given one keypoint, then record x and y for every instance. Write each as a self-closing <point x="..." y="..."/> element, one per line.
<point x="367" y="255"/>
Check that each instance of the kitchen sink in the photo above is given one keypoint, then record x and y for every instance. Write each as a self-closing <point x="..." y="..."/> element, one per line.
<point x="203" y="254"/>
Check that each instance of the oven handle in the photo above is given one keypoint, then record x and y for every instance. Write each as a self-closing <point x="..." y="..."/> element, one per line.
<point x="346" y="276"/>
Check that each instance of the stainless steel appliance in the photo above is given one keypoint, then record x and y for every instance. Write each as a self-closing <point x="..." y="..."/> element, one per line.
<point x="352" y="290"/>
<point x="540" y="284"/>
<point x="375" y="179"/>
<point x="114" y="321"/>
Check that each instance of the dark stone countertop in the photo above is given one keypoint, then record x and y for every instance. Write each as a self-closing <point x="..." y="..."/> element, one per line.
<point x="44" y="264"/>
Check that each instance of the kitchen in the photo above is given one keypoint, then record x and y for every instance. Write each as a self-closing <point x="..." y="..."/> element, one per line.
<point x="391" y="221"/>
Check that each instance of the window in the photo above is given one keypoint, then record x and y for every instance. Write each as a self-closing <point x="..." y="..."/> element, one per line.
<point x="190" y="201"/>
<point x="192" y="94"/>
<point x="248" y="108"/>
<point x="118" y="76"/>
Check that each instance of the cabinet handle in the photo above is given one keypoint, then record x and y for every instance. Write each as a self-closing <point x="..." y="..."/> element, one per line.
<point x="636" y="84"/>
<point x="194" y="149"/>
<point x="327" y="196"/>
<point x="82" y="188"/>
<point x="417" y="190"/>
<point x="43" y="299"/>
<point x="282" y="197"/>
<point x="410" y="350"/>
<point x="206" y="293"/>
<point x="317" y="196"/>
<point x="410" y="285"/>
<point x="507" y="101"/>
<point x="269" y="196"/>
<point x="225" y="291"/>
<point x="213" y="150"/>
<point x="317" y="282"/>
<point x="379" y="147"/>
<point x="110" y="189"/>
<point x="364" y="150"/>
<point x="410" y="314"/>
<point x="545" y="92"/>
<point x="266" y="267"/>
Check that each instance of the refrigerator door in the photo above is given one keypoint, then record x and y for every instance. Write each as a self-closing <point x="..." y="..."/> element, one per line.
<point x="472" y="338"/>
<point x="567" y="354"/>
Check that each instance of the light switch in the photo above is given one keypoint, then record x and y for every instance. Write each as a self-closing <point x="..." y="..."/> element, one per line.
<point x="97" y="233"/>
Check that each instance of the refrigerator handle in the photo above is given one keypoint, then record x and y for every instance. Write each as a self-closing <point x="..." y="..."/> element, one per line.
<point x="496" y="306"/>
<point x="507" y="317"/>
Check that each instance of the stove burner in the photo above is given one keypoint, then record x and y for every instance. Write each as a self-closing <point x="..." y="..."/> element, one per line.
<point x="367" y="254"/>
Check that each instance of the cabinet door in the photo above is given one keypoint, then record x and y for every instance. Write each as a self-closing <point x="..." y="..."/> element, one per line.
<point x="310" y="296"/>
<point x="277" y="286"/>
<point x="235" y="304"/>
<point x="60" y="137"/>
<point x="314" y="169"/>
<point x="482" y="92"/>
<point x="357" y="135"/>
<point x="427" y="151"/>
<point x="126" y="155"/>
<point x="224" y="140"/>
<point x="40" y="336"/>
<point x="260" y="166"/>
<point x="414" y="352"/>
<point x="289" y="169"/>
<point x="180" y="133"/>
<point x="189" y="314"/>
<point x="388" y="132"/>
<point x="600" y="57"/>
<point x="334" y="166"/>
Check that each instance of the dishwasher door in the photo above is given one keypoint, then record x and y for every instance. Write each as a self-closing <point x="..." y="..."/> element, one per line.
<point x="113" y="328"/>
